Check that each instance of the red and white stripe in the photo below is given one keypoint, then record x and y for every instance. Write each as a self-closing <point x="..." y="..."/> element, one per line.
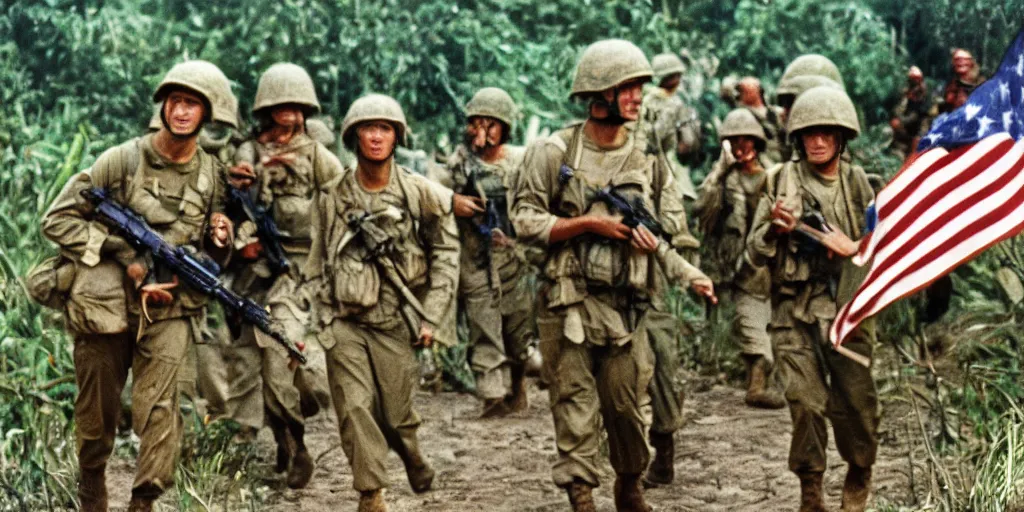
<point x="942" y="209"/>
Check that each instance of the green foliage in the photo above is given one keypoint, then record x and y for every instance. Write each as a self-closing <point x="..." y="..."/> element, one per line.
<point x="217" y="472"/>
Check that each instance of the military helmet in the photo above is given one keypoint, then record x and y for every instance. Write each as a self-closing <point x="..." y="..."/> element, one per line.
<point x="741" y="122"/>
<point x="796" y="86"/>
<point x="666" y="64"/>
<point x="824" y="106"/>
<point x="374" y="107"/>
<point x="813" y="64"/>
<point x="155" y="123"/>
<point x="606" y="64"/>
<point x="205" y="79"/>
<point x="321" y="132"/>
<point x="493" y="102"/>
<point x="285" y="83"/>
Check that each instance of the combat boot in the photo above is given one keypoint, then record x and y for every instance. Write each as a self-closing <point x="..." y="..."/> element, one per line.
<point x="856" y="489"/>
<point x="92" y="490"/>
<point x="302" y="467"/>
<point x="580" y="496"/>
<point x="419" y="472"/>
<point x="140" y="504"/>
<point x="811" y="492"/>
<point x="372" y="501"/>
<point x="284" y="450"/>
<point x="662" y="469"/>
<point x="517" y="401"/>
<point x="760" y="393"/>
<point x="629" y="496"/>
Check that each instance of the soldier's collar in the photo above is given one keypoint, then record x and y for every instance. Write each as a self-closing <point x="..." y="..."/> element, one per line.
<point x="155" y="160"/>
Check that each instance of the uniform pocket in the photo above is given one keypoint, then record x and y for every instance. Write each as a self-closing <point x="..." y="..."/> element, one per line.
<point x="97" y="303"/>
<point x="48" y="282"/>
<point x="356" y="283"/>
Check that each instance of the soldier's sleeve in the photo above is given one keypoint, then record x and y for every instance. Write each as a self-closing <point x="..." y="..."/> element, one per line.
<point x="442" y="235"/>
<point x="218" y="204"/>
<point x="441" y="174"/>
<point x="67" y="222"/>
<point x="737" y="198"/>
<point x="531" y="214"/>
<point x="762" y="242"/>
<point x="246" y="153"/>
<point x="677" y="269"/>
<point x="313" y="269"/>
<point x="327" y="165"/>
<point x="671" y="212"/>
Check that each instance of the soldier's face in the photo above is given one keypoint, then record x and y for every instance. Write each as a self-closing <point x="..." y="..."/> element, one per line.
<point x="820" y="145"/>
<point x="962" y="62"/>
<point x="744" y="149"/>
<point x="288" y="116"/>
<point x="631" y="95"/>
<point x="483" y="132"/>
<point x="376" y="140"/>
<point x="184" y="112"/>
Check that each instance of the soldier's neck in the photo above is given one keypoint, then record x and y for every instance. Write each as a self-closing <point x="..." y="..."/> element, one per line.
<point x="492" y="154"/>
<point x="280" y="134"/>
<point x="829" y="169"/>
<point x="176" y="150"/>
<point x="606" y="136"/>
<point x="373" y="176"/>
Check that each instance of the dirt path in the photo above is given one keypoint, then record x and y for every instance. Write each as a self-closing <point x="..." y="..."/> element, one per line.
<point x="729" y="458"/>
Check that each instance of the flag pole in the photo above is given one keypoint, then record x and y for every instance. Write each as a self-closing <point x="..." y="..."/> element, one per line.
<point x="857" y="358"/>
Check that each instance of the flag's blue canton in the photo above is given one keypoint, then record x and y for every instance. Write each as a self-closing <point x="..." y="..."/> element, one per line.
<point x="995" y="106"/>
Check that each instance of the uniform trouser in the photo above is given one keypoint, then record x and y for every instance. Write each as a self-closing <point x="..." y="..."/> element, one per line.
<point x="204" y="377"/>
<point x="373" y="374"/>
<point x="751" y="325"/>
<point x="849" y="398"/>
<point x="589" y="383"/>
<point x="501" y="328"/>
<point x="260" y="380"/>
<point x="667" y="395"/>
<point x="101" y="368"/>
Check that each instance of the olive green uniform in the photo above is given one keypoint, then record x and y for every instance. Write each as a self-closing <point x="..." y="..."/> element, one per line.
<point x="492" y="289"/>
<point x="808" y="287"/>
<point x="598" y="298"/>
<point x="104" y="313"/>
<point x="367" y="334"/>
<point x="288" y="190"/>
<point x="670" y="125"/>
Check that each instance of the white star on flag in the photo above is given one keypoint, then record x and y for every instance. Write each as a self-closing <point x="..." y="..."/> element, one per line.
<point x="1007" y="120"/>
<point x="971" y="110"/>
<point x="983" y="123"/>
<point x="1004" y="91"/>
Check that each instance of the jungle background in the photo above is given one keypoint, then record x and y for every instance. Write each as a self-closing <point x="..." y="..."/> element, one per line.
<point x="76" y="77"/>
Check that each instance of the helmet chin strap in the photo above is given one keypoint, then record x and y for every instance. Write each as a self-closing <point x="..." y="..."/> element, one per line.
<point x="614" y="117"/>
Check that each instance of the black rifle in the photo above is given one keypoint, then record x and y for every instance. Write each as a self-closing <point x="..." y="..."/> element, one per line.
<point x="490" y="220"/>
<point x="634" y="213"/>
<point x="241" y="205"/>
<point x="198" y="273"/>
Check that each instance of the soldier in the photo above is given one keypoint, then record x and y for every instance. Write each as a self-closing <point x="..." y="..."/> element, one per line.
<point x="491" y="284"/>
<point x="966" y="78"/>
<point x="673" y="128"/>
<point x="386" y="256"/>
<point x="176" y="187"/>
<point x="809" y="285"/>
<point x="287" y="166"/>
<point x="599" y="298"/>
<point x="911" y="118"/>
<point x="804" y="73"/>
<point x="770" y="117"/>
<point x="736" y="187"/>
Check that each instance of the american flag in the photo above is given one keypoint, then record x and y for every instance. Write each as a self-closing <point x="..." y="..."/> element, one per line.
<point x="963" y="193"/>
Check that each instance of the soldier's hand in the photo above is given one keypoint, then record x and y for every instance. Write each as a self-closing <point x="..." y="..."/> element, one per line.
<point x="500" y="239"/>
<point x="783" y="219"/>
<point x="467" y="206"/>
<point x="221" y="230"/>
<point x="705" y="288"/>
<point x="241" y="176"/>
<point x="157" y="294"/>
<point x="609" y="227"/>
<point x="137" y="273"/>
<point x="643" y="240"/>
<point x="251" y="251"/>
<point x="426" y="337"/>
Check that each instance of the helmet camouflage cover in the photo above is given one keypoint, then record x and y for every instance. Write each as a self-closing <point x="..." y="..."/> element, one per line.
<point x="285" y="83"/>
<point x="493" y="102"/>
<point x="741" y="122"/>
<point x="606" y="64"/>
<point x="666" y="64"/>
<point x="374" y="107"/>
<point x="824" y="106"/>
<point x="808" y="65"/>
<point x="207" y="80"/>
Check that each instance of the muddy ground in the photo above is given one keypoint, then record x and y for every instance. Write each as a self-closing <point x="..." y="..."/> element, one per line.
<point x="729" y="458"/>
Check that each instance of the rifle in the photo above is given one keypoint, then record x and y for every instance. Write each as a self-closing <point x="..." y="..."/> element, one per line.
<point x="491" y="219"/>
<point x="241" y="205"/>
<point x="634" y="213"/>
<point x="200" y="273"/>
